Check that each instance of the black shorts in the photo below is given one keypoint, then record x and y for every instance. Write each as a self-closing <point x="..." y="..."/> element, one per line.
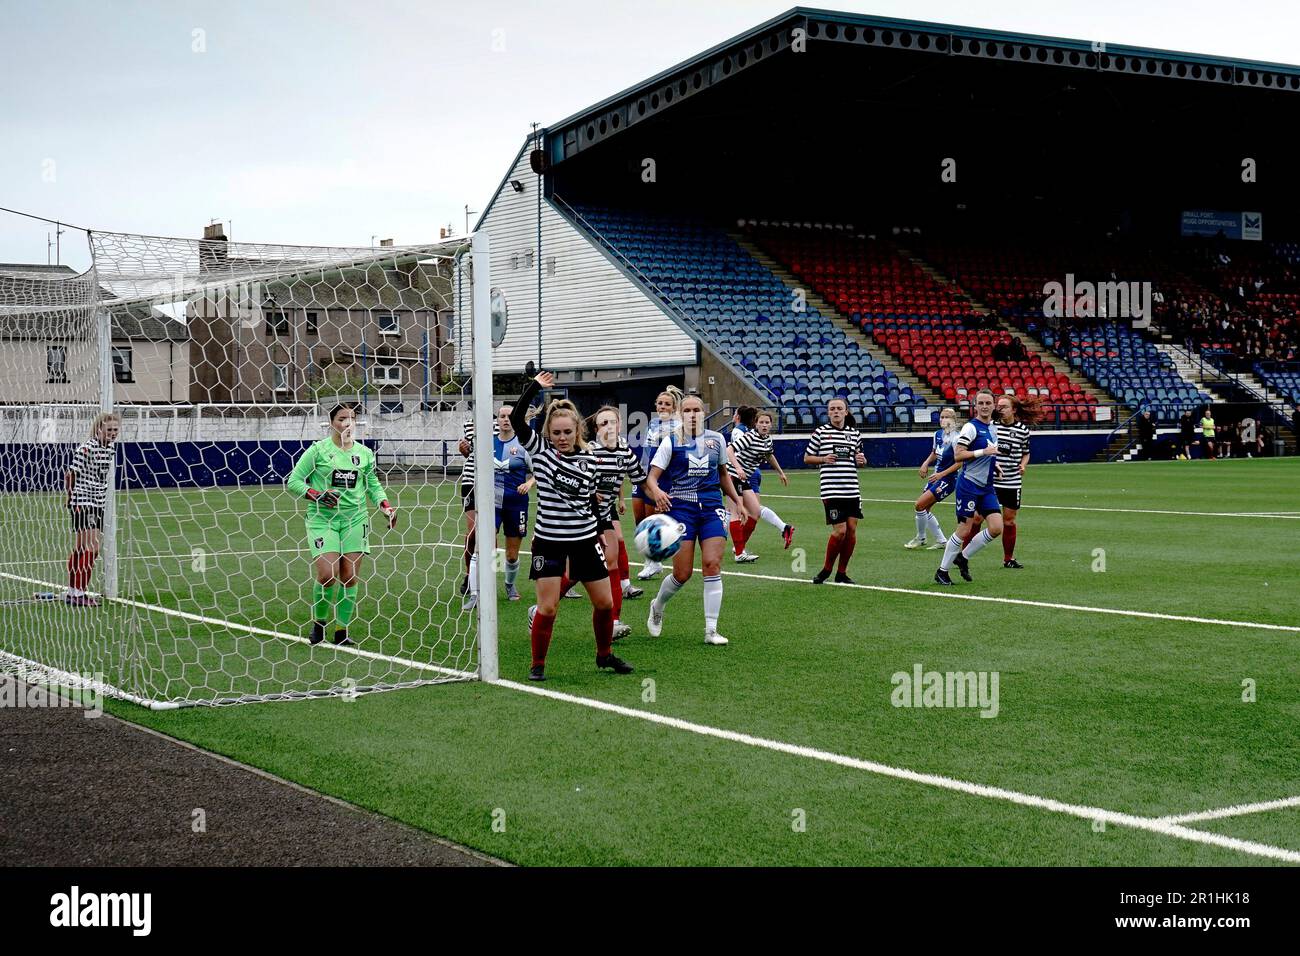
<point x="467" y="496"/>
<point x="742" y="485"/>
<point x="1008" y="497"/>
<point x="86" y="517"/>
<point x="584" y="560"/>
<point x="839" y="510"/>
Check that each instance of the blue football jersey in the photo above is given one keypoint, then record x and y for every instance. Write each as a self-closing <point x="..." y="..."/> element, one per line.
<point x="974" y="435"/>
<point x="692" y="464"/>
<point x="945" y="445"/>
<point x="510" y="466"/>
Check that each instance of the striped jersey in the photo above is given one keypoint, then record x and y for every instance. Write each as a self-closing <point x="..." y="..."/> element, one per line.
<point x="752" y="449"/>
<point x="1013" y="443"/>
<point x="612" y="465"/>
<point x="467" y="470"/>
<point x="977" y="473"/>
<point x="566" y="484"/>
<point x="837" y="479"/>
<point x="91" y="463"/>
<point x="693" y="465"/>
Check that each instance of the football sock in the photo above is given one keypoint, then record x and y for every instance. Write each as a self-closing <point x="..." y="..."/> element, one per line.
<point x="322" y="601"/>
<point x="512" y="572"/>
<point x="750" y="525"/>
<point x="951" y="551"/>
<point x="772" y="518"/>
<point x="624" y="573"/>
<point x="540" y="635"/>
<point x="565" y="584"/>
<point x="922" y="521"/>
<point x="1008" y="541"/>
<point x="602" y="622"/>
<point x="977" y="542"/>
<point x="616" y="591"/>
<point x="832" y="552"/>
<point x="933" y="530"/>
<point x="737" y="537"/>
<point x="347" y="605"/>
<point x="846" y="549"/>
<point x="473" y="574"/>
<point x="667" y="589"/>
<point x="712" y="601"/>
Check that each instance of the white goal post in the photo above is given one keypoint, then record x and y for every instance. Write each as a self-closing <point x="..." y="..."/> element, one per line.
<point x="191" y="580"/>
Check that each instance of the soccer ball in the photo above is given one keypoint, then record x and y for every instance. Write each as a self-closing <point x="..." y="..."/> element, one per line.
<point x="658" y="537"/>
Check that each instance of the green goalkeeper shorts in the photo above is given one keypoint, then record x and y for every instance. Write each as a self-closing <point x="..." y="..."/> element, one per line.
<point x="344" y="533"/>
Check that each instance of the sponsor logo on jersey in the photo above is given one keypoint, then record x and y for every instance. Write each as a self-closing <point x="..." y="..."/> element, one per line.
<point x="698" y="466"/>
<point x="568" y="481"/>
<point x="343" y="478"/>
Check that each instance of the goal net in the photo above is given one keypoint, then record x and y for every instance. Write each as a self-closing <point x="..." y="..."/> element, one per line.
<point x="191" y="580"/>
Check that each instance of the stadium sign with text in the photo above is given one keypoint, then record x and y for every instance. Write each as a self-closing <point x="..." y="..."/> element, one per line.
<point x="1233" y="225"/>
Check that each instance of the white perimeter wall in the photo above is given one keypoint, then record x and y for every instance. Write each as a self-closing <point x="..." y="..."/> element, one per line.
<point x="593" y="316"/>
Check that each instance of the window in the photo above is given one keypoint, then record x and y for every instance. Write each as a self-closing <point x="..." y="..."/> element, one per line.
<point x="550" y="265"/>
<point x="56" y="364"/>
<point x="386" y="373"/>
<point x="277" y="322"/>
<point x="281" y="377"/>
<point x="123" y="372"/>
<point x="528" y="259"/>
<point x="514" y="261"/>
<point x="313" y="323"/>
<point x="388" y="324"/>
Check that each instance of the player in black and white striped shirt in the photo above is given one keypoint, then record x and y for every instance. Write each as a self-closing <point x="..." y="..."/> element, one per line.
<point x="749" y="448"/>
<point x="835" y="449"/>
<point x="565" y="534"/>
<point x="615" y="461"/>
<point x="87" y="484"/>
<point x="1015" y="415"/>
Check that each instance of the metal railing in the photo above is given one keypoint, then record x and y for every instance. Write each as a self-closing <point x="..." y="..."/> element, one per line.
<point x="923" y="418"/>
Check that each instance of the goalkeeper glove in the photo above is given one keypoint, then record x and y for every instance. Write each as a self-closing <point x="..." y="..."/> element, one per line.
<point x="329" y="499"/>
<point x="390" y="512"/>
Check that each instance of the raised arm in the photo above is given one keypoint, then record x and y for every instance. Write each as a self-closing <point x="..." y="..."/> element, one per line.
<point x="519" y="411"/>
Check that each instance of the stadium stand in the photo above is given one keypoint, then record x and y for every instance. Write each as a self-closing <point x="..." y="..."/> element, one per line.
<point x="801" y="357"/>
<point x="932" y="329"/>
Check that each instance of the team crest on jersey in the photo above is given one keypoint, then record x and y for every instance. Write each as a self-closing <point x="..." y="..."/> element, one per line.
<point x="318" y="543"/>
<point x="356" y="461"/>
<point x="539" y="562"/>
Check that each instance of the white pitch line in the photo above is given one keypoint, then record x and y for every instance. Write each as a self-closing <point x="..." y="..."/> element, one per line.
<point x="1284" y="515"/>
<point x="954" y="595"/>
<point x="1154" y="825"/>
<point x="249" y="629"/>
<point x="1149" y="824"/>
<point x="1238" y="810"/>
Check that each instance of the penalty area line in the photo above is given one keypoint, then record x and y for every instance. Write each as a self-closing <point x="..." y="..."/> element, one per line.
<point x="1237" y="810"/>
<point x="1163" y="827"/>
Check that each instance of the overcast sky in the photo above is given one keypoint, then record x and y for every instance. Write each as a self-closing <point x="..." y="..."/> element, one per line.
<point x="329" y="122"/>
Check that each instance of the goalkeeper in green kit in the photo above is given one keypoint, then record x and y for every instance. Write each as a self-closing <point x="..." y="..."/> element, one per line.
<point x="337" y="477"/>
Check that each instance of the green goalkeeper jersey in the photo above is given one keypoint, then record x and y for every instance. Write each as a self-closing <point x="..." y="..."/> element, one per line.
<point x="350" y="472"/>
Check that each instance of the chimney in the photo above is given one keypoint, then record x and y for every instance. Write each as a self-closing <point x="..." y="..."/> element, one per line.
<point x="212" y="250"/>
<point x="386" y="243"/>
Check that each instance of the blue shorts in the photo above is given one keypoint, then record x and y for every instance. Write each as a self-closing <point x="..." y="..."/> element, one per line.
<point x="513" y="516"/>
<point x="941" y="488"/>
<point x="971" y="500"/>
<point x="701" y="521"/>
<point x="756" y="481"/>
